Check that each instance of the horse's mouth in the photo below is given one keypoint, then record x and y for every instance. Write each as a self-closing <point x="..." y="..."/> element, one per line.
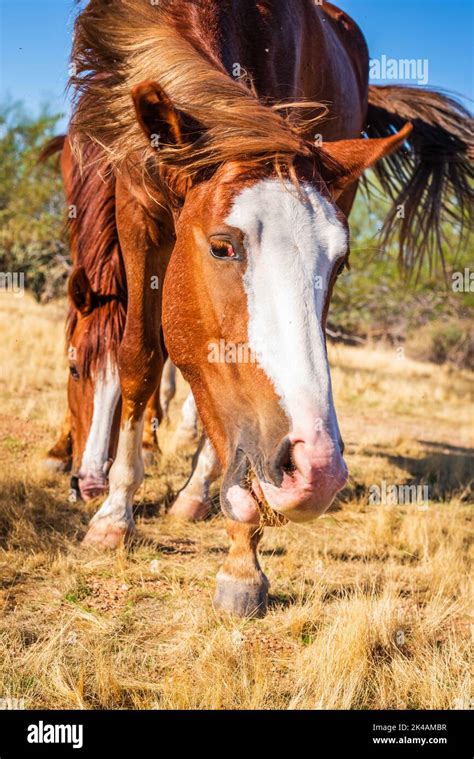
<point x="90" y="487"/>
<point x="268" y="516"/>
<point x="252" y="495"/>
<point x="242" y="497"/>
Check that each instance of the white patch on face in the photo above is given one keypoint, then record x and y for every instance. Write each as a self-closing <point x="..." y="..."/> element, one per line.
<point x="292" y="246"/>
<point x="106" y="397"/>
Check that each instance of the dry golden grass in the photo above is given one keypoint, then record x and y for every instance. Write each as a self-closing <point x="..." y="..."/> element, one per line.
<point x="369" y="605"/>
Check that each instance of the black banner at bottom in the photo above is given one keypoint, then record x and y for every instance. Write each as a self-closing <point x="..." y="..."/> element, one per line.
<point x="376" y="733"/>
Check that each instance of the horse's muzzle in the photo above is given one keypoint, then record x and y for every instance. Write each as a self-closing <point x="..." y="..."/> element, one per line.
<point x="299" y="482"/>
<point x="92" y="486"/>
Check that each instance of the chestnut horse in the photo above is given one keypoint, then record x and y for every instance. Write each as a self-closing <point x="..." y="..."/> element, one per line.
<point x="236" y="184"/>
<point x="95" y="323"/>
<point x="97" y="293"/>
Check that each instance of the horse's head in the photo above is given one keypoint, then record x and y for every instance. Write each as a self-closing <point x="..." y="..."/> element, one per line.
<point x="246" y="297"/>
<point x="93" y="386"/>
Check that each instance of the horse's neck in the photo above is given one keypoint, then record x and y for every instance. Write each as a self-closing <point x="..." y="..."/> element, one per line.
<point x="289" y="51"/>
<point x="260" y="43"/>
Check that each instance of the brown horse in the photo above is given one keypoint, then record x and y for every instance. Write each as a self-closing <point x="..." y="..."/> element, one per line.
<point x="95" y="324"/>
<point x="88" y="437"/>
<point x="233" y="181"/>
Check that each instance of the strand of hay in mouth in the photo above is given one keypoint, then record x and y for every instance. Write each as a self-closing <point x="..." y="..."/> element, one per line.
<point x="268" y="517"/>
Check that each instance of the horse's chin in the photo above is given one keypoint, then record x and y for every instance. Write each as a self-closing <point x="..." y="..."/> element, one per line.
<point x="93" y="487"/>
<point x="241" y="504"/>
<point x="243" y="498"/>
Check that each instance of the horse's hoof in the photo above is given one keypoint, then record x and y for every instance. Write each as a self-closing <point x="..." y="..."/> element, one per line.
<point x="148" y="457"/>
<point x="190" y="509"/>
<point x="241" y="598"/>
<point x="53" y="464"/>
<point x="107" y="535"/>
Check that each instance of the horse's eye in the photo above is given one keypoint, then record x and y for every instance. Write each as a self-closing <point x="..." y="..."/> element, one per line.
<point x="223" y="249"/>
<point x="74" y="373"/>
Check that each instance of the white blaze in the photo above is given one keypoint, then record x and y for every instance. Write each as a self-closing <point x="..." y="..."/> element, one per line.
<point x="106" y="397"/>
<point x="292" y="245"/>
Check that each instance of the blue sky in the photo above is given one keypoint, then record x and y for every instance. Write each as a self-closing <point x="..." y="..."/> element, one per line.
<point x="36" y="37"/>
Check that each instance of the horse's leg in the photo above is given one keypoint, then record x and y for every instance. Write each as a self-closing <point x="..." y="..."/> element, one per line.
<point x="140" y="365"/>
<point x="192" y="502"/>
<point x="157" y="410"/>
<point x="167" y="388"/>
<point x="187" y="431"/>
<point x="58" y="458"/>
<point x="153" y="417"/>
<point x="242" y="588"/>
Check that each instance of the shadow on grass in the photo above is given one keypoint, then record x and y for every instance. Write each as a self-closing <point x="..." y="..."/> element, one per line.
<point x="174" y="546"/>
<point x="446" y="469"/>
<point x="34" y="516"/>
<point x="280" y="601"/>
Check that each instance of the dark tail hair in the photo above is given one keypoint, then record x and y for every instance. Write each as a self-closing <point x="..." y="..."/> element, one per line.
<point x="432" y="180"/>
<point x="53" y="146"/>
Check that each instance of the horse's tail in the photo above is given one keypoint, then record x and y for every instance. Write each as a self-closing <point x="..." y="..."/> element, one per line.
<point x="53" y="146"/>
<point x="431" y="183"/>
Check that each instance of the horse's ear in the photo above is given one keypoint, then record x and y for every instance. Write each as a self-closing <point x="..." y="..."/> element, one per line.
<point x="80" y="291"/>
<point x="160" y="120"/>
<point x="350" y="158"/>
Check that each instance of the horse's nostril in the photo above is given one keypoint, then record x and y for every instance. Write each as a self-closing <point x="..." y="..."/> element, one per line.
<point x="282" y="461"/>
<point x="289" y="465"/>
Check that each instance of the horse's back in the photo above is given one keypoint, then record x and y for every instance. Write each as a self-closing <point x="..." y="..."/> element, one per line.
<point x="353" y="39"/>
<point x="335" y="68"/>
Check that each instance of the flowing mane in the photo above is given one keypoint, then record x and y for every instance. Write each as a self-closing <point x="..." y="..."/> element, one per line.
<point x="180" y="45"/>
<point x="94" y="241"/>
<point x="118" y="45"/>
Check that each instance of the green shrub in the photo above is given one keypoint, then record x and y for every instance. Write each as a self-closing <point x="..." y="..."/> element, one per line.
<point x="32" y="231"/>
<point x="444" y="342"/>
